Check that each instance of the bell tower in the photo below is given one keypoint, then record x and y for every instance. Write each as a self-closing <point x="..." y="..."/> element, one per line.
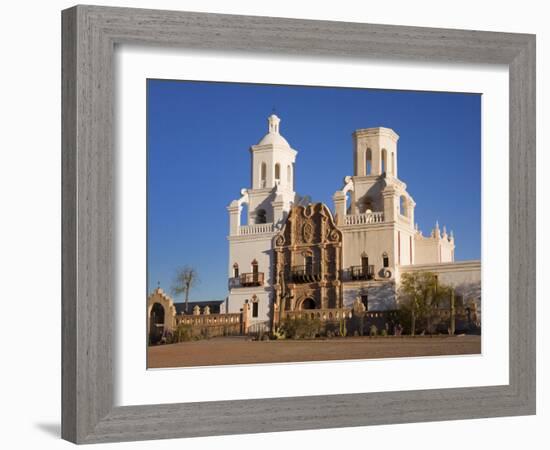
<point x="268" y="201"/>
<point x="272" y="185"/>
<point x="273" y="159"/>
<point x="272" y="182"/>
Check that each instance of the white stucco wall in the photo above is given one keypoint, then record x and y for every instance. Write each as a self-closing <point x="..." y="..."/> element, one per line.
<point x="243" y="250"/>
<point x="372" y="240"/>
<point x="405" y="247"/>
<point x="430" y="250"/>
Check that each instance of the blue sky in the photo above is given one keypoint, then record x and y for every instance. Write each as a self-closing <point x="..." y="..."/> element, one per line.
<point x="198" y="139"/>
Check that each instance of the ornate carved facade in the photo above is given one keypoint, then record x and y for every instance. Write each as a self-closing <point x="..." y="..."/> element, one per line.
<point x="307" y="261"/>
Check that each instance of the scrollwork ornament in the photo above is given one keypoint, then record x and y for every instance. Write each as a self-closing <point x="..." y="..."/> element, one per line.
<point x="307" y="232"/>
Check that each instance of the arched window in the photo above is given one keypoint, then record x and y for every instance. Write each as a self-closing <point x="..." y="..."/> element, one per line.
<point x="385" y="260"/>
<point x="384" y="161"/>
<point x="261" y="216"/>
<point x="263" y="175"/>
<point x="289" y="175"/>
<point x="368" y="158"/>
<point x="277" y="171"/>
<point x="393" y="163"/>
<point x="235" y="270"/>
<point x="403" y="210"/>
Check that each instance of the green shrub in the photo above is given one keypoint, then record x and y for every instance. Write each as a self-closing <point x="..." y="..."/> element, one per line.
<point x="304" y="328"/>
<point x="383" y="332"/>
<point x="182" y="333"/>
<point x="373" y="330"/>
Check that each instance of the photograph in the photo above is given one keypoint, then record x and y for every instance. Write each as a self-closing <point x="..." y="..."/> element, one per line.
<point x="309" y="223"/>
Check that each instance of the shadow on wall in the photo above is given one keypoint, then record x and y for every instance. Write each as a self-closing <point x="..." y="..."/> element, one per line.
<point x="371" y="199"/>
<point x="379" y="298"/>
<point x="259" y="214"/>
<point x="466" y="293"/>
<point x="470" y="292"/>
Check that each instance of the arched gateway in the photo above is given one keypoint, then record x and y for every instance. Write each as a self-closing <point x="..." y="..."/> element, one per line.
<point x="161" y="315"/>
<point x="156" y="323"/>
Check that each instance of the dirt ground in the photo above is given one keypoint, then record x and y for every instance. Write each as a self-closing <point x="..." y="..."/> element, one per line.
<point x="239" y="350"/>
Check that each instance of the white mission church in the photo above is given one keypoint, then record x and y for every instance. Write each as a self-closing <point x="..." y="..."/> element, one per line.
<point x="289" y="257"/>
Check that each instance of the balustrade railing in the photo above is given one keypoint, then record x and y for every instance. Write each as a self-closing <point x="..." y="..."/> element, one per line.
<point x="365" y="218"/>
<point x="209" y="319"/>
<point x="324" y="315"/>
<point x="257" y="228"/>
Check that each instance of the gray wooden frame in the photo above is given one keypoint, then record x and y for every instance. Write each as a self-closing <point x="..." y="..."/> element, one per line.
<point x="89" y="36"/>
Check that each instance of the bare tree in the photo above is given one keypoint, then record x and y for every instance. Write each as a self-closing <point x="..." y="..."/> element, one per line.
<point x="186" y="278"/>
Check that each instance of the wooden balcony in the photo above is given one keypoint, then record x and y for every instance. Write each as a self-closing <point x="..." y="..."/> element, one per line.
<point x="251" y="279"/>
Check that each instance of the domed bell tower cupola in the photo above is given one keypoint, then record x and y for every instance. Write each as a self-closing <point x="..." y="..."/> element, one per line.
<point x="375" y="152"/>
<point x="273" y="159"/>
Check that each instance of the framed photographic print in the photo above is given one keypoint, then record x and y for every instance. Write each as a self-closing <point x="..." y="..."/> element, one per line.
<point x="317" y="279"/>
<point x="305" y="226"/>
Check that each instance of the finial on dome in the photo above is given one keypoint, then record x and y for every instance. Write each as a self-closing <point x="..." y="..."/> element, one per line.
<point x="273" y="122"/>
